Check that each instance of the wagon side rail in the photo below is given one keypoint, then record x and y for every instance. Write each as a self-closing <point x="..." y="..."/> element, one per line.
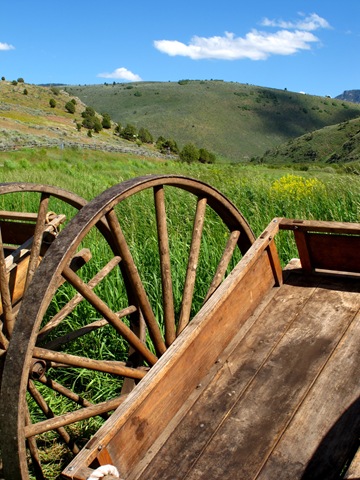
<point x="122" y="441"/>
<point x="326" y="246"/>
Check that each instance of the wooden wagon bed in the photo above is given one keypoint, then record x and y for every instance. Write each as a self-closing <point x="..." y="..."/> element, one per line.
<point x="264" y="383"/>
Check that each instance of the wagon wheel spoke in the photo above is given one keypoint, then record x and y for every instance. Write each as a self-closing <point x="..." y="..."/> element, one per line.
<point x="106" y="366"/>
<point x="165" y="265"/>
<point x="66" y="392"/>
<point x="34" y="452"/>
<point x="69" y="418"/>
<point x="71" y="304"/>
<point x="46" y="410"/>
<point x="136" y="284"/>
<point x="110" y="316"/>
<point x="59" y="421"/>
<point x="223" y="263"/>
<point x="83" y="330"/>
<point x="37" y="239"/>
<point x="192" y="265"/>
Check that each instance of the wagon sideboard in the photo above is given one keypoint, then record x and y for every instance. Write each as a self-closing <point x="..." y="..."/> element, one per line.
<point x="262" y="384"/>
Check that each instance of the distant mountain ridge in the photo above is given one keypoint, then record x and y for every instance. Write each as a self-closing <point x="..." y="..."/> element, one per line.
<point x="350" y="96"/>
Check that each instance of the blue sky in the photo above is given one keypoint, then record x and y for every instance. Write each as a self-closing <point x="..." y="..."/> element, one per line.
<point x="307" y="46"/>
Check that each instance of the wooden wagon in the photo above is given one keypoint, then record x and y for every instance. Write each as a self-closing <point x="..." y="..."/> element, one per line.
<point x="260" y="382"/>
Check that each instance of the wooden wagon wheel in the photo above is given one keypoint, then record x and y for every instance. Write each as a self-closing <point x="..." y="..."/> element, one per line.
<point x="94" y="322"/>
<point x="31" y="216"/>
<point x="28" y="224"/>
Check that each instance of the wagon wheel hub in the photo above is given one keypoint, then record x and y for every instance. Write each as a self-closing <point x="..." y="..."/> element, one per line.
<point x="38" y="369"/>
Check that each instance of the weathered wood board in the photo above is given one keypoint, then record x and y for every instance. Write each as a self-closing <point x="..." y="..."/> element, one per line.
<point x="264" y="383"/>
<point x="285" y="404"/>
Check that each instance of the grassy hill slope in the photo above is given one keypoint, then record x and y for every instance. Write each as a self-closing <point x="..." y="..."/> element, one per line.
<point x="27" y="120"/>
<point x="335" y="144"/>
<point x="234" y="120"/>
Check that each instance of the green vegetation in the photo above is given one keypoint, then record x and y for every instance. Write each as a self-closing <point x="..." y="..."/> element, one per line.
<point x="106" y="121"/>
<point x="189" y="153"/>
<point x="253" y="188"/>
<point x="235" y="121"/>
<point x="335" y="145"/>
<point x="70" y="107"/>
<point x="314" y="176"/>
<point x="34" y="119"/>
<point x="260" y="192"/>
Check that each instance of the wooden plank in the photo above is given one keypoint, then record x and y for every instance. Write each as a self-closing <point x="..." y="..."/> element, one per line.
<point x="22" y="216"/>
<point x="15" y="233"/>
<point x="334" y="252"/>
<point x="136" y="424"/>
<point x="16" y="279"/>
<point x="325" y="429"/>
<point x="347" y="228"/>
<point x="275" y="263"/>
<point x="166" y="398"/>
<point x="211" y="409"/>
<point x="263" y="412"/>
<point x="303" y="249"/>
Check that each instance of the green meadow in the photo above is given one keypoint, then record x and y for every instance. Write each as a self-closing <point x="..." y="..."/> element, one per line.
<point x="259" y="192"/>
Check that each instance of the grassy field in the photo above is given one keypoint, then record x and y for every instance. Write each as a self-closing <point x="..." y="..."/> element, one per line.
<point x="254" y="189"/>
<point x="259" y="192"/>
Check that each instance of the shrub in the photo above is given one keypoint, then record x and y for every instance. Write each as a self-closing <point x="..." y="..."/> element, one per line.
<point x="25" y="92"/>
<point x="97" y="125"/>
<point x="189" y="153"/>
<point x="145" y="136"/>
<point x="118" y="128"/>
<point x="106" y="121"/>
<point x="88" y="112"/>
<point x="88" y="122"/>
<point x="206" y="157"/>
<point x="20" y="80"/>
<point x="167" y="146"/>
<point x="70" y="107"/>
<point x="52" y="103"/>
<point x="129" y="132"/>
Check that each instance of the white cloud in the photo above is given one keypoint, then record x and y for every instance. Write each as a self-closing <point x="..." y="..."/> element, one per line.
<point x="121" y="74"/>
<point x="309" y="23"/>
<point x="6" y="46"/>
<point x="255" y="45"/>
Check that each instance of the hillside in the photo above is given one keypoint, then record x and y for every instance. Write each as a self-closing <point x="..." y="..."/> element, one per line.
<point x="350" y="96"/>
<point x="27" y="120"/>
<point x="335" y="144"/>
<point x="233" y="120"/>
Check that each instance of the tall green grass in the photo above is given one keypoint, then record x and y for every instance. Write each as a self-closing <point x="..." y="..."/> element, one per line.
<point x="259" y="192"/>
